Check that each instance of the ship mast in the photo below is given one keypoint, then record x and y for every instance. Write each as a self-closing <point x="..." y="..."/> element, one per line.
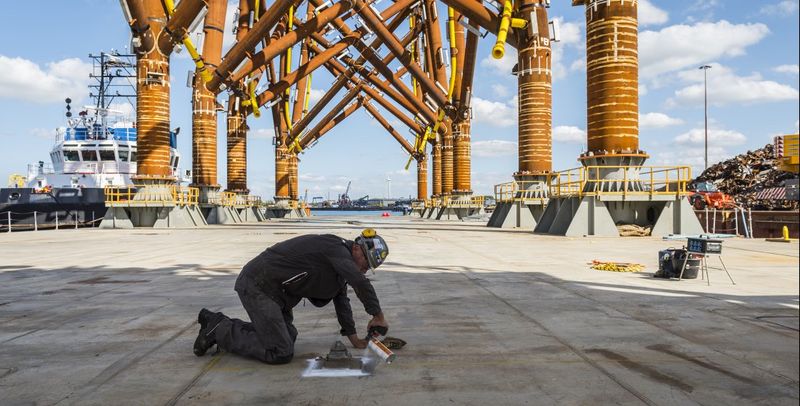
<point x="114" y="74"/>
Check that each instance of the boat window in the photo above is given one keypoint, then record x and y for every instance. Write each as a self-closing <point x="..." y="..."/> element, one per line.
<point x="107" y="155"/>
<point x="175" y="165"/>
<point x="133" y="156"/>
<point x="71" y="156"/>
<point x="123" y="155"/>
<point x="89" y="156"/>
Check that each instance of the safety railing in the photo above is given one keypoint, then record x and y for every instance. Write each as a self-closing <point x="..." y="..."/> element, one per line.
<point x="529" y="191"/>
<point x="504" y="192"/>
<point x="185" y="195"/>
<point x="466" y="202"/>
<point x="11" y="221"/>
<point x="151" y="195"/>
<point x="621" y="181"/>
<point x="254" y="201"/>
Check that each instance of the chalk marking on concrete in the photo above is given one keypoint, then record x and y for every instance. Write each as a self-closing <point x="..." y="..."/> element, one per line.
<point x="197" y="377"/>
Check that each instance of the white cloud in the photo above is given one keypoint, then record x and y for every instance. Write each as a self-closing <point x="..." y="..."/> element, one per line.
<point x="315" y="95"/>
<point x="494" y="148"/>
<point x="649" y="14"/>
<point x="500" y="90"/>
<point x="262" y="133"/>
<point x="692" y="156"/>
<point x="569" y="134"/>
<point x="23" y="79"/>
<point x="310" y="177"/>
<point x="716" y="136"/>
<point x="692" y="150"/>
<point x="44" y="133"/>
<point x="783" y="8"/>
<point x="792" y="69"/>
<point x="228" y="37"/>
<point x="680" y="46"/>
<point x="702" y="5"/>
<point x="497" y="114"/>
<point x="657" y="120"/>
<point x="725" y="87"/>
<point x="503" y="65"/>
<point x="569" y="33"/>
<point x="559" y="71"/>
<point x="125" y="110"/>
<point x="578" y="65"/>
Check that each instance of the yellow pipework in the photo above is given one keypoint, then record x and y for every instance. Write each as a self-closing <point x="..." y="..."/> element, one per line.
<point x="518" y="23"/>
<point x="295" y="147"/>
<point x="308" y="95"/>
<point x="453" y="60"/>
<point x="255" y="11"/>
<point x="413" y="60"/>
<point x="251" y="87"/>
<point x="187" y="43"/>
<point x="289" y="24"/>
<point x="499" y="48"/>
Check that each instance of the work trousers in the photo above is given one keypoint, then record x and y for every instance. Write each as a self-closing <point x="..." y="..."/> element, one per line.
<point x="268" y="337"/>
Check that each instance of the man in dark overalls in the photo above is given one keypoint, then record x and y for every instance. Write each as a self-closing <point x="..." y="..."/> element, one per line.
<point x="315" y="267"/>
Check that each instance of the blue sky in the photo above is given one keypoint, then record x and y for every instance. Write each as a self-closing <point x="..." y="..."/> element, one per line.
<point x="753" y="91"/>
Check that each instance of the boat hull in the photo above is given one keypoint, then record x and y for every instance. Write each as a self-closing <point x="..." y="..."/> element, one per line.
<point x="63" y="206"/>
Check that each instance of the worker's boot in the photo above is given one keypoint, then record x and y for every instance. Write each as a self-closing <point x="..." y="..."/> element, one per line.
<point x="205" y="337"/>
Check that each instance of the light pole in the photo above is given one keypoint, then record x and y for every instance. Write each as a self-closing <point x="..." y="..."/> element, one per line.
<point x="705" y="69"/>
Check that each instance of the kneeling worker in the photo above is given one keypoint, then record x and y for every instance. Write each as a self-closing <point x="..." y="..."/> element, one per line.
<point x="315" y="267"/>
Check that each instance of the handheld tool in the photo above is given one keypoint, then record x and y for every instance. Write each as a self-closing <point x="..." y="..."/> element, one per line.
<point x="375" y="345"/>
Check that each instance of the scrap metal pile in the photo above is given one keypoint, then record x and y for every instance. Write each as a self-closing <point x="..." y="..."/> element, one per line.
<point x="745" y="175"/>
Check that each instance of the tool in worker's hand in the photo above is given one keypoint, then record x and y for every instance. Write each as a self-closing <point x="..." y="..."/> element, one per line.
<point x="375" y="345"/>
<point x="339" y="362"/>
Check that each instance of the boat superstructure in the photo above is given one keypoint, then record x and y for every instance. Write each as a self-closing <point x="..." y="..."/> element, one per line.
<point x="95" y="149"/>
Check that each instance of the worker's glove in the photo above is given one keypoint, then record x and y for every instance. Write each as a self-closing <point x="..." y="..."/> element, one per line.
<point x="376" y="322"/>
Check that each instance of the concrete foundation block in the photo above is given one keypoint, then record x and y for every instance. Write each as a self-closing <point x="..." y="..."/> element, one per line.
<point x="677" y="217"/>
<point x="116" y="217"/>
<point x="223" y="215"/>
<point x="515" y="215"/>
<point x="196" y="215"/>
<point x="576" y="216"/>
<point x="447" y="213"/>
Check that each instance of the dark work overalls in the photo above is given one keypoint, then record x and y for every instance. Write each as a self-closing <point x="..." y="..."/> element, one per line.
<point x="316" y="267"/>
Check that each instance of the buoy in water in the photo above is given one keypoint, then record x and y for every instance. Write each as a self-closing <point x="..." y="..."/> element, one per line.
<point x="385" y="214"/>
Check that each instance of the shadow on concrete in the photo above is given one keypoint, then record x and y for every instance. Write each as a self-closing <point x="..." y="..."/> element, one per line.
<point x="475" y="335"/>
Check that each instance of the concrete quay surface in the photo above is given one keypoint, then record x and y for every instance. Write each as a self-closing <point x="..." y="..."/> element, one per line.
<point x="104" y="317"/>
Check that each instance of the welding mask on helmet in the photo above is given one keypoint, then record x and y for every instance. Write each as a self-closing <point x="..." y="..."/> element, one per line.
<point x="373" y="247"/>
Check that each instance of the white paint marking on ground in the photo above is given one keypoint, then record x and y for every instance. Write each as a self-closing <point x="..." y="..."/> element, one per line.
<point x="637" y="291"/>
<point x="314" y="370"/>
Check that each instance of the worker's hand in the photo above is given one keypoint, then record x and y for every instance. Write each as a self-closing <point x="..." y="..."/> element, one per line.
<point x="357" y="342"/>
<point x="378" y="320"/>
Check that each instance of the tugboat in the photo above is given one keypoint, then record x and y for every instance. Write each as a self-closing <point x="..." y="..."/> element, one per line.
<point x="95" y="150"/>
